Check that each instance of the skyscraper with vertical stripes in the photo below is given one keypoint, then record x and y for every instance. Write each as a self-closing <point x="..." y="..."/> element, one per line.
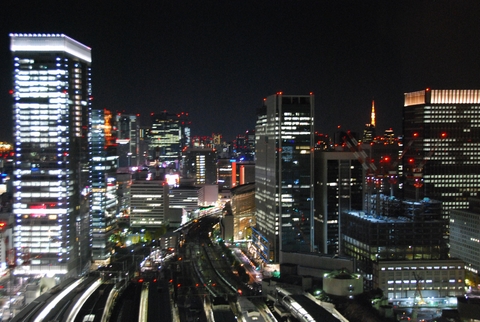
<point x="51" y="103"/>
<point x="284" y="140"/>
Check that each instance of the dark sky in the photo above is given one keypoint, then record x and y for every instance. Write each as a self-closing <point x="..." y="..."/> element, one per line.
<point x="217" y="60"/>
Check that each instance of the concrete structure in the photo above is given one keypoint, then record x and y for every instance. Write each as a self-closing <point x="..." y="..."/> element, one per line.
<point x="183" y="198"/>
<point x="52" y="99"/>
<point x="124" y="184"/>
<point x="465" y="235"/>
<point x="412" y="231"/>
<point x="208" y="195"/>
<point x="317" y="265"/>
<point x="149" y="203"/>
<point x="232" y="173"/>
<point x="433" y="278"/>
<point x="168" y="240"/>
<point x="343" y="283"/>
<point x="7" y="252"/>
<point x="284" y="176"/>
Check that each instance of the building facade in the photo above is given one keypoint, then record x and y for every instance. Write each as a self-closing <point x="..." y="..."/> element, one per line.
<point x="128" y="141"/>
<point x="243" y="210"/>
<point x="149" y="203"/>
<point x="429" y="280"/>
<point x="465" y="235"/>
<point x="52" y="100"/>
<point x="284" y="175"/>
<point x="339" y="178"/>
<point x="103" y="184"/>
<point x="444" y="161"/>
<point x="200" y="166"/>
<point x="168" y="136"/>
<point x="405" y="231"/>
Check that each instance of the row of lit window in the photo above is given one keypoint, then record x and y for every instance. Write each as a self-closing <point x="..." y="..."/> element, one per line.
<point x="35" y="250"/>
<point x="20" y="230"/>
<point x="42" y="183"/>
<point x="40" y="195"/>
<point x="422" y="281"/>
<point x="291" y="134"/>
<point x="38" y="140"/>
<point x="40" y="109"/>
<point x="53" y="82"/>
<point x="42" y="120"/>
<point x="399" y="268"/>
<point x="56" y="72"/>
<point x="431" y="288"/>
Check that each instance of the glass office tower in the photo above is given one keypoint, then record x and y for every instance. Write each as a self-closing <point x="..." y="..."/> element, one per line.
<point x="103" y="183"/>
<point x="443" y="162"/>
<point x="127" y="140"/>
<point x="284" y="176"/>
<point x="169" y="135"/>
<point x="52" y="100"/>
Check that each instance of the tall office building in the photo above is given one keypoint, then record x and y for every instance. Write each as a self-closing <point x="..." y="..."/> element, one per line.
<point x="103" y="183"/>
<point x="244" y="146"/>
<point x="128" y="141"/>
<point x="52" y="99"/>
<point x="444" y="161"/>
<point x="464" y="232"/>
<point x="339" y="179"/>
<point x="200" y="166"/>
<point x="169" y="135"/>
<point x="284" y="176"/>
<point x="149" y="203"/>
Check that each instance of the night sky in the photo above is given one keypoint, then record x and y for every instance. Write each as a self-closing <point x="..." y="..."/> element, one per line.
<point x="217" y="60"/>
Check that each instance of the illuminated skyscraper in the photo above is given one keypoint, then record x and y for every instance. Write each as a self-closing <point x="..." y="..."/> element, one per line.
<point x="169" y="134"/>
<point x="200" y="166"/>
<point x="284" y="176"/>
<point x="444" y="161"/>
<point x="128" y="141"/>
<point x="338" y="188"/>
<point x="103" y="183"/>
<point x="52" y="100"/>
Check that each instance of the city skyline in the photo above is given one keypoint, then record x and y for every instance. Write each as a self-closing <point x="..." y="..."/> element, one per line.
<point x="224" y="58"/>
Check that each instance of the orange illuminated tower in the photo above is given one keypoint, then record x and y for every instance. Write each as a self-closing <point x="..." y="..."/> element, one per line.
<point x="369" y="131"/>
<point x="372" y="114"/>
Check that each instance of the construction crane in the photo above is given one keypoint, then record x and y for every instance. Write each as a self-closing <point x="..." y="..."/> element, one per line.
<point x="370" y="169"/>
<point x="418" y="293"/>
<point x="417" y="172"/>
<point x="393" y="170"/>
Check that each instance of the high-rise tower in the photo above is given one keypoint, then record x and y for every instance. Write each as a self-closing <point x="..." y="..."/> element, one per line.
<point x="169" y="135"/>
<point x="444" y="161"/>
<point x="103" y="183"/>
<point x="372" y="114"/>
<point x="284" y="176"/>
<point x="128" y="140"/>
<point x="369" y="133"/>
<point x="52" y="100"/>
